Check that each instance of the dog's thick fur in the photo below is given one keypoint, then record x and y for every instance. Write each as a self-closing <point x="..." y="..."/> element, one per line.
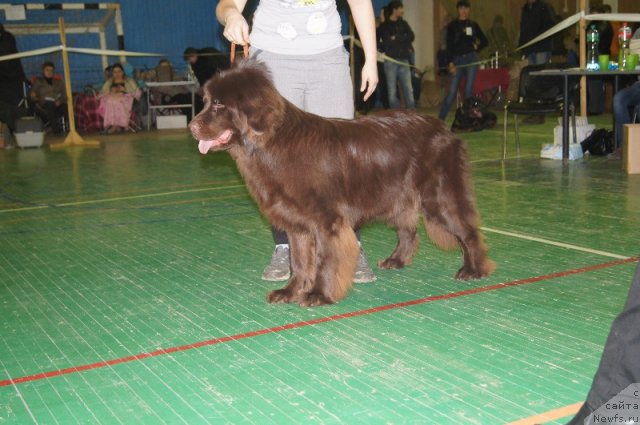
<point x="318" y="178"/>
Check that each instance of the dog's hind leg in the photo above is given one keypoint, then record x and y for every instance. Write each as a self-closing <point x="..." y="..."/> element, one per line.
<point x="451" y="215"/>
<point x="303" y="270"/>
<point x="448" y="232"/>
<point x="337" y="254"/>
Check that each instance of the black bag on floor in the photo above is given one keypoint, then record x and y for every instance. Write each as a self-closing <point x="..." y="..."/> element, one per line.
<point x="473" y="115"/>
<point x="599" y="142"/>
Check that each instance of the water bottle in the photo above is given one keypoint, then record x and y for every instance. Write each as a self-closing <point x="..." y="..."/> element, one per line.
<point x="592" y="49"/>
<point x="624" y="35"/>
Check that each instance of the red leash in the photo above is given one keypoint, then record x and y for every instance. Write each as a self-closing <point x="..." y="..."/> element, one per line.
<point x="232" y="57"/>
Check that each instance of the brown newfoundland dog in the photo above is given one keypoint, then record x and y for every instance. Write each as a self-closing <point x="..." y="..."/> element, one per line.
<point x="318" y="178"/>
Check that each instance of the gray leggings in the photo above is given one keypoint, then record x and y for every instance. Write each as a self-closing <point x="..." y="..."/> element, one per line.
<point x="320" y="84"/>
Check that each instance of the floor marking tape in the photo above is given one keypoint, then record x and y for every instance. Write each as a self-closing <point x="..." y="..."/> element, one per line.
<point x="555" y="243"/>
<point x="122" y="198"/>
<point x="549" y="416"/>
<point x="302" y="324"/>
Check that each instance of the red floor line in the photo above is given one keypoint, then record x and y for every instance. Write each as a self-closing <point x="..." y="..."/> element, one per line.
<point x="295" y="325"/>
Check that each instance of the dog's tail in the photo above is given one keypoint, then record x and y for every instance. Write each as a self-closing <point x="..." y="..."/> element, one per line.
<point x="440" y="236"/>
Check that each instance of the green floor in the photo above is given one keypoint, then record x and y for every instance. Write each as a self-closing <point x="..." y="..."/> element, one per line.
<point x="130" y="292"/>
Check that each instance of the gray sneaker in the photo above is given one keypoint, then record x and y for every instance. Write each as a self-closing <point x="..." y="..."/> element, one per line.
<point x="278" y="269"/>
<point x="363" y="274"/>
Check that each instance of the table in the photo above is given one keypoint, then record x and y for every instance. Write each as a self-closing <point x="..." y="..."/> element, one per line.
<point x="190" y="84"/>
<point x="573" y="72"/>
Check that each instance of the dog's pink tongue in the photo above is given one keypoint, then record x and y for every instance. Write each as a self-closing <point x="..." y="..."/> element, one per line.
<point x="205" y="145"/>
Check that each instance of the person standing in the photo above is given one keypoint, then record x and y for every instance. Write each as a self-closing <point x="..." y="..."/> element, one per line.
<point x="537" y="17"/>
<point x="11" y="73"/>
<point x="464" y="40"/>
<point x="301" y="43"/>
<point x="204" y="63"/>
<point x="12" y="81"/>
<point x="395" y="37"/>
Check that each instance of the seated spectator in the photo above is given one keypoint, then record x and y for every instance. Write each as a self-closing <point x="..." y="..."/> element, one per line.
<point x="163" y="73"/>
<point x="116" y="100"/>
<point x="49" y="97"/>
<point x="168" y="95"/>
<point x="624" y="100"/>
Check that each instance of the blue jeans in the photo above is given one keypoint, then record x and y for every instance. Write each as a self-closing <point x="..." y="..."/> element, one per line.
<point x="469" y="72"/>
<point x="397" y="74"/>
<point x="622" y="101"/>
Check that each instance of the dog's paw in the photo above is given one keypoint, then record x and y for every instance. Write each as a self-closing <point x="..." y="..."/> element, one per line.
<point x="281" y="296"/>
<point x="391" y="264"/>
<point x="315" y="299"/>
<point x="467" y="273"/>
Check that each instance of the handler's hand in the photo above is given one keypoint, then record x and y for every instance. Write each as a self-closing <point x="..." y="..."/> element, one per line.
<point x="369" y="78"/>
<point x="236" y="29"/>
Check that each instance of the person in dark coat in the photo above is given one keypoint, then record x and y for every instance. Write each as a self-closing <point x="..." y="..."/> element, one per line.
<point x="12" y="81"/>
<point x="537" y="17"/>
<point x="11" y="73"/>
<point x="619" y="367"/>
<point x="204" y="63"/>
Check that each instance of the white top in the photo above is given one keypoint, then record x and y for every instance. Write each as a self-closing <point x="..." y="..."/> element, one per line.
<point x="296" y="27"/>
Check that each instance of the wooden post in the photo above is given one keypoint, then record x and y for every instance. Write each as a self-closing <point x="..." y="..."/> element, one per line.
<point x="73" y="138"/>
<point x="583" y="59"/>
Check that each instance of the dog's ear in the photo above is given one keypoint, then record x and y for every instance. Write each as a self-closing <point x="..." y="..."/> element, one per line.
<point x="257" y="112"/>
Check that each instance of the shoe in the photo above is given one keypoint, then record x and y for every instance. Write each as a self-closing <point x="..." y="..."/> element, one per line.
<point x="363" y="274"/>
<point x="616" y="154"/>
<point x="534" y="119"/>
<point x="279" y="268"/>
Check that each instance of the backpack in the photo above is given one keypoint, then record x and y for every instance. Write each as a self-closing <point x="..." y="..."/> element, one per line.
<point x="599" y="142"/>
<point x="473" y="115"/>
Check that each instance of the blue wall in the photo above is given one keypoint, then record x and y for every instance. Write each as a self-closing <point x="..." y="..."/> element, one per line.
<point x="166" y="27"/>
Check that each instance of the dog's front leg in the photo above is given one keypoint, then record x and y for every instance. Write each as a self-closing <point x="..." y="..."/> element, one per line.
<point x="337" y="253"/>
<point x="303" y="270"/>
<point x="405" y="249"/>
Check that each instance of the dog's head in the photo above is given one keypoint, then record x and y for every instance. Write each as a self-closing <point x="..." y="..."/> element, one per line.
<point x="240" y="104"/>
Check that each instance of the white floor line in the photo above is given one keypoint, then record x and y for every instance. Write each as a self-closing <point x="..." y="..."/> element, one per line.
<point x="477" y="161"/>
<point x="122" y="198"/>
<point x="554" y="243"/>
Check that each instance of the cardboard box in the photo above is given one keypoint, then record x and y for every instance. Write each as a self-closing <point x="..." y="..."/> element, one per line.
<point x="582" y="132"/>
<point x="30" y="139"/>
<point x="28" y="124"/>
<point x="631" y="149"/>
<point x="171" y="121"/>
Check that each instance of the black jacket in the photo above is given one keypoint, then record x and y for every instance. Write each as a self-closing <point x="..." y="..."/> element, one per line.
<point x="395" y="38"/>
<point x="464" y="37"/>
<point x="536" y="19"/>
<point x="209" y="62"/>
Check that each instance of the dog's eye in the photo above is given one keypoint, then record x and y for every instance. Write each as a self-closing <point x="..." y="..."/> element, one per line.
<point x="216" y="104"/>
